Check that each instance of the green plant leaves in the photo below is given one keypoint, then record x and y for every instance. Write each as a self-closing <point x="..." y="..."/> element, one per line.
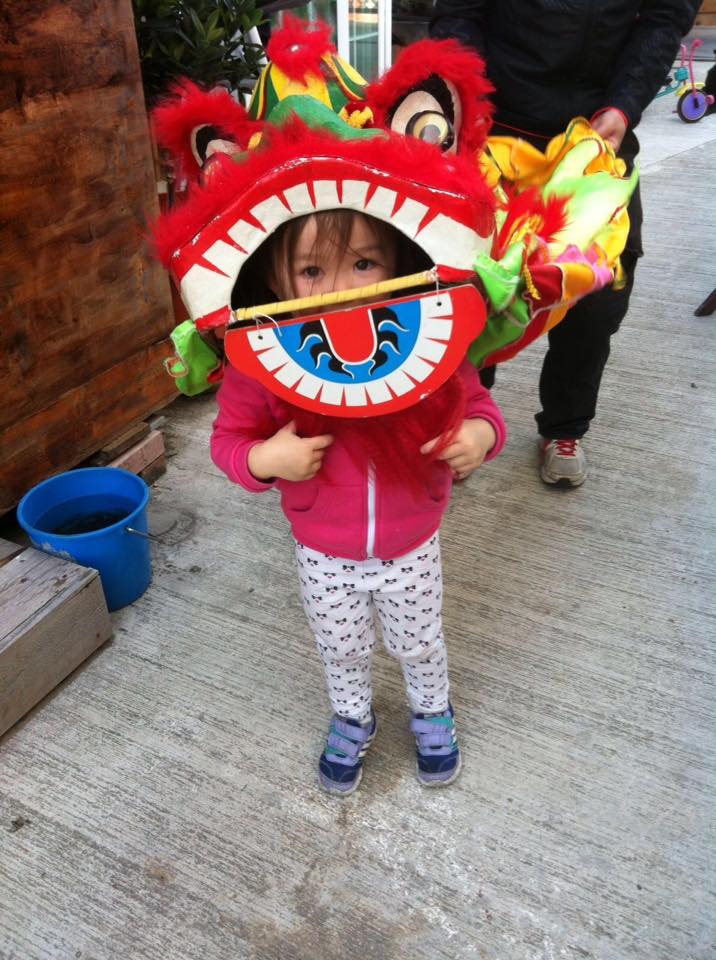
<point x="200" y="39"/>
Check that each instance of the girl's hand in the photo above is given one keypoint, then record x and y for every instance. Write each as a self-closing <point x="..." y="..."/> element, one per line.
<point x="288" y="456"/>
<point x="470" y="445"/>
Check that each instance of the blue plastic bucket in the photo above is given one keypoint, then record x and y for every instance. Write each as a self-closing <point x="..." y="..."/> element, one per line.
<point x="83" y="515"/>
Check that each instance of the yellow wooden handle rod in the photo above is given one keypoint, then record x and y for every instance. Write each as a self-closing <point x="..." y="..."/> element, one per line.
<point x="336" y="296"/>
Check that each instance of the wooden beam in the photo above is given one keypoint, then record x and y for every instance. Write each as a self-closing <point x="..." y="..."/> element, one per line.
<point x="77" y="424"/>
<point x="141" y="454"/>
<point x="8" y="551"/>
<point x="53" y="615"/>
<point x="118" y="445"/>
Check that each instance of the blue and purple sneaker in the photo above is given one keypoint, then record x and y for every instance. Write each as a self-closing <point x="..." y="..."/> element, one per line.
<point x="341" y="765"/>
<point x="437" y="753"/>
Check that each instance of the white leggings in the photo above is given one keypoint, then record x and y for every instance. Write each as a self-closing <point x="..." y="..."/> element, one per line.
<point x="407" y="593"/>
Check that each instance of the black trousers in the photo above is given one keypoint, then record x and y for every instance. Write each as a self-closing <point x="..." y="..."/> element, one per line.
<point x="579" y="345"/>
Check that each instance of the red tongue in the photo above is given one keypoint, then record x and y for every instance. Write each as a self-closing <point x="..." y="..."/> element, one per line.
<point x="351" y="334"/>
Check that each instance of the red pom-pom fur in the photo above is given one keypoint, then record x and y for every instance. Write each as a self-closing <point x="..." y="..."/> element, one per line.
<point x="451" y="61"/>
<point x="297" y="47"/>
<point x="188" y="107"/>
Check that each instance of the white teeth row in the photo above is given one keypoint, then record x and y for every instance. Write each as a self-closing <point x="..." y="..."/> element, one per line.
<point x="435" y="330"/>
<point x="444" y="240"/>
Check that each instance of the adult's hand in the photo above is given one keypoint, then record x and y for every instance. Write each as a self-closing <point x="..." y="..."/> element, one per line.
<point x="611" y="125"/>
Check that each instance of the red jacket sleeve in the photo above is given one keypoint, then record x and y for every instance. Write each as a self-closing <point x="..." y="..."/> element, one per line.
<point x="244" y="420"/>
<point x="480" y="405"/>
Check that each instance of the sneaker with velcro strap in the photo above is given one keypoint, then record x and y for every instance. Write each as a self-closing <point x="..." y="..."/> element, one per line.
<point x="438" y="760"/>
<point x="340" y="767"/>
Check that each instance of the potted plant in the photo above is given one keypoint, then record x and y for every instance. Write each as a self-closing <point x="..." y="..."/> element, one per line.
<point x="212" y="42"/>
<point x="207" y="41"/>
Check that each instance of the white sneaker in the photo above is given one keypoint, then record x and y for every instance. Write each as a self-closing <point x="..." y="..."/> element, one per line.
<point x="562" y="462"/>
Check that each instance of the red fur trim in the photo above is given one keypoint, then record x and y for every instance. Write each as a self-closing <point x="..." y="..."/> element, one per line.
<point x="392" y="154"/>
<point x="392" y="442"/>
<point x="451" y="61"/>
<point x="554" y="217"/>
<point x="188" y="107"/>
<point x="298" y="46"/>
<point x="530" y="203"/>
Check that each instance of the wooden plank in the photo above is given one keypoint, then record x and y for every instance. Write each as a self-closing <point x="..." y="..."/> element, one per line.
<point x="141" y="454"/>
<point x="118" y="445"/>
<point x="9" y="550"/>
<point x="707" y="14"/>
<point x="79" y="422"/>
<point x="53" y="616"/>
<point x="153" y="471"/>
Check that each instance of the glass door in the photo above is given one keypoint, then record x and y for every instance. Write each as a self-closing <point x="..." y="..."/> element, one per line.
<point x="363" y="35"/>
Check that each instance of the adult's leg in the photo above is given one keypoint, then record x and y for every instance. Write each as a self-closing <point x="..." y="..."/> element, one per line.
<point x="578" y="352"/>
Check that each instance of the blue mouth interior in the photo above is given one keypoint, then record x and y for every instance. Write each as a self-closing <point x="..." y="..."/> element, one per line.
<point x="396" y="339"/>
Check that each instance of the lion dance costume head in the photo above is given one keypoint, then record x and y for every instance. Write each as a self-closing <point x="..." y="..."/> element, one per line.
<point x="509" y="237"/>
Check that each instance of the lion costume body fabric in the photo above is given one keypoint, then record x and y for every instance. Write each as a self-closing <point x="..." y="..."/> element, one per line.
<point x="534" y="232"/>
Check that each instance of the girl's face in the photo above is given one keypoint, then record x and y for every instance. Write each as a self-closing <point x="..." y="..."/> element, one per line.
<point x="318" y="265"/>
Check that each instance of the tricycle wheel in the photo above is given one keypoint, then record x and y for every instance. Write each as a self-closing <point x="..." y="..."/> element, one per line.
<point x="692" y="106"/>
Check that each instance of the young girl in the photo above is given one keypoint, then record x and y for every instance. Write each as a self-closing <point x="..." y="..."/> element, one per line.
<point x="364" y="497"/>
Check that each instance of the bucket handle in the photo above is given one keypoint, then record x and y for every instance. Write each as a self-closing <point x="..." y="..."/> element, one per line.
<point x="141" y="533"/>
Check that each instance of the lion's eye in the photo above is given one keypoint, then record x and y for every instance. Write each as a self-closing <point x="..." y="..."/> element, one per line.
<point x="429" y="112"/>
<point x="201" y="137"/>
<point x="432" y="127"/>
<point x="207" y="140"/>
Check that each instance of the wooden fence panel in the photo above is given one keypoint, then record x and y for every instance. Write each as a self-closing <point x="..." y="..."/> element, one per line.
<point x="80" y="295"/>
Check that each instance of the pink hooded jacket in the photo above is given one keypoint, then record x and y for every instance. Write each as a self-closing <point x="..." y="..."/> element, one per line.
<point x="352" y="516"/>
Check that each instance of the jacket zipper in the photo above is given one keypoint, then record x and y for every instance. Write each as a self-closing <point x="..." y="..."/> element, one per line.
<point x="370" y="532"/>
